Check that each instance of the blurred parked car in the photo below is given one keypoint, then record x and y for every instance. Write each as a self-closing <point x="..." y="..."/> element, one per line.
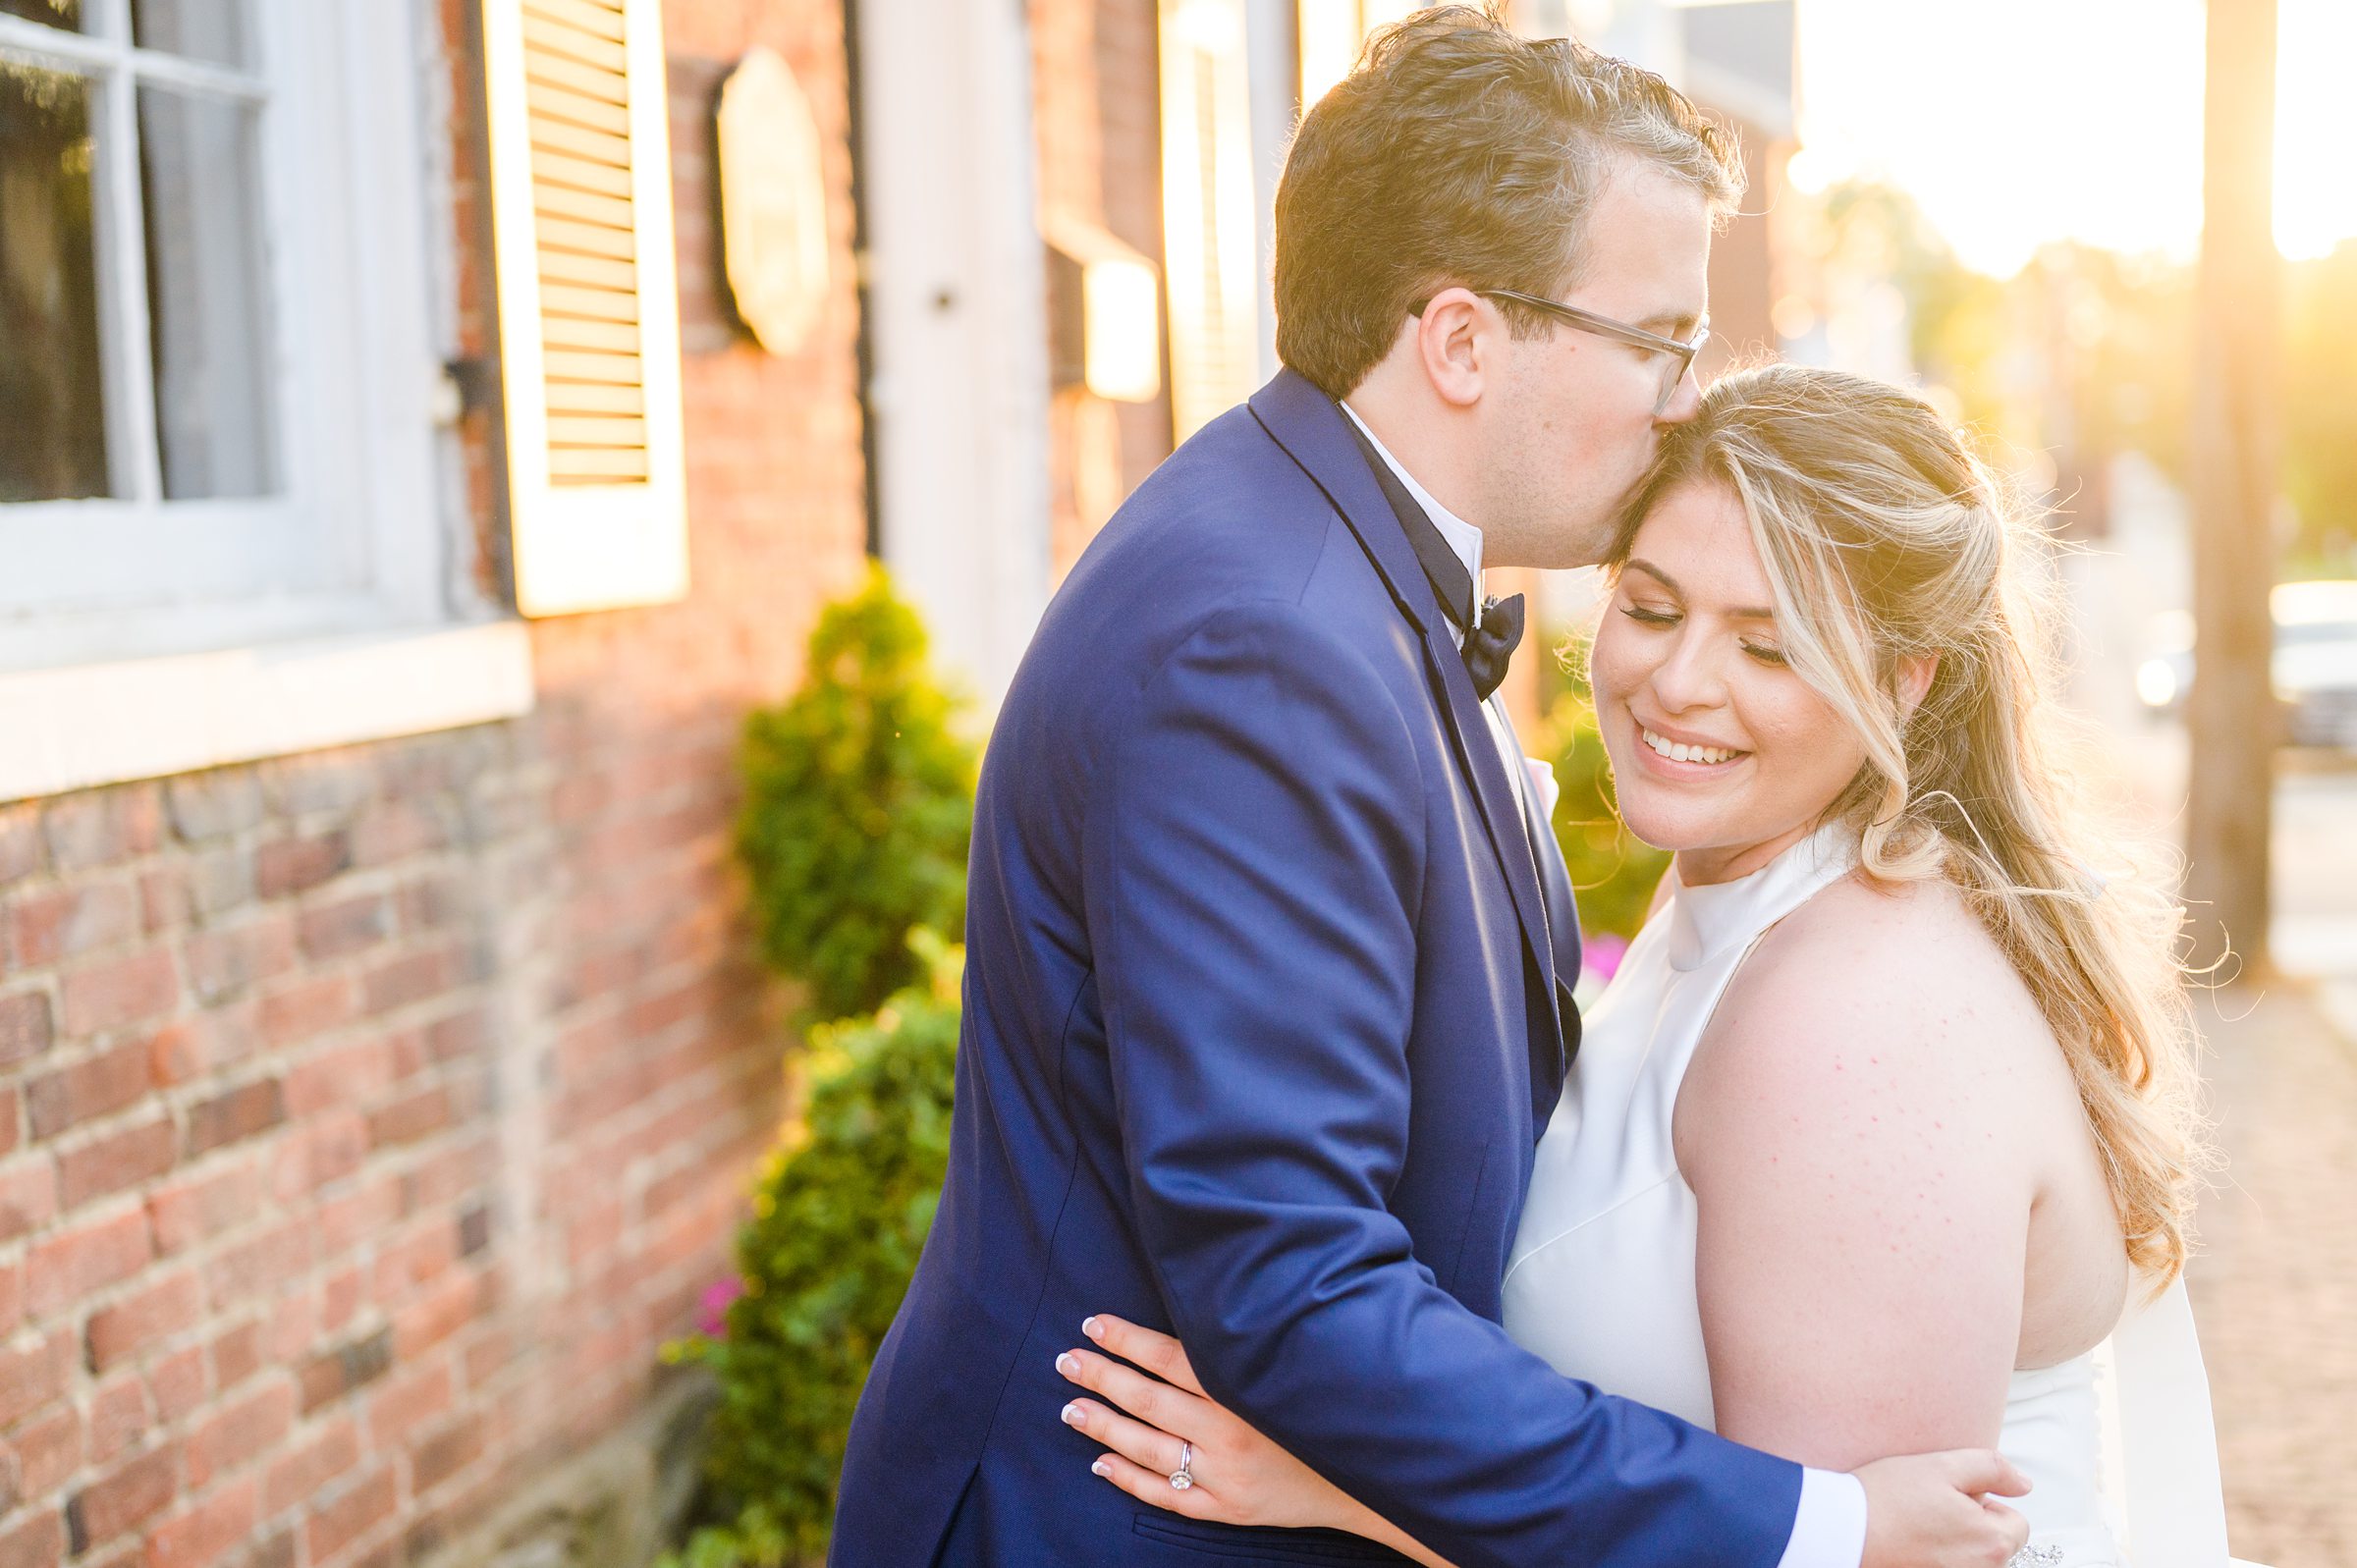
<point x="2314" y="669"/>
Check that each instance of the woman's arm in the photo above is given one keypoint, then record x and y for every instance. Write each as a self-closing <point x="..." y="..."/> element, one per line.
<point x="1925" y="1511"/>
<point x="1853" y="1127"/>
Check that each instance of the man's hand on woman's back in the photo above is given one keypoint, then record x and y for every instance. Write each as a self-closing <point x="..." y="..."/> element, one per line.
<point x="1933" y="1510"/>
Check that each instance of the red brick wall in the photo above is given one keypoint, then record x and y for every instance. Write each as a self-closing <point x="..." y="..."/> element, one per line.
<point x="368" y="1118"/>
<point x="1743" y="280"/>
<point x="1130" y="97"/>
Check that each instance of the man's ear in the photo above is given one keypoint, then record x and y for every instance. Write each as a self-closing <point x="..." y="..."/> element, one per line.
<point x="1455" y="332"/>
<point x="1915" y="674"/>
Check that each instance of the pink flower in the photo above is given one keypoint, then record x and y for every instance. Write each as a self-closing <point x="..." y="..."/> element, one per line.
<point x="712" y="1311"/>
<point x="1600" y="956"/>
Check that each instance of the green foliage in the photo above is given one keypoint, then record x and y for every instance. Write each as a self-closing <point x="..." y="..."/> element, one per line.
<point x="859" y="808"/>
<point x="1956" y="318"/>
<point x="2087" y="352"/>
<point x="840" y="1214"/>
<point x="2116" y="336"/>
<point x="1613" y="872"/>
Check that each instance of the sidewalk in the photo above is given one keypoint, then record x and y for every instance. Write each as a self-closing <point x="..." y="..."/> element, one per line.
<point x="2275" y="1281"/>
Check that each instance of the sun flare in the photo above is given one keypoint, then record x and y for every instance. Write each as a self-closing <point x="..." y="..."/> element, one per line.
<point x="2019" y="122"/>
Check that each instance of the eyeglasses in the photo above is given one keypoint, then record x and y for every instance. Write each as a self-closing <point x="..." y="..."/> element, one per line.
<point x="1679" y="356"/>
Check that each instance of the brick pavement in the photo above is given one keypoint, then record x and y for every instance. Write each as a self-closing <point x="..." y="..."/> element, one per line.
<point x="2274" y="1284"/>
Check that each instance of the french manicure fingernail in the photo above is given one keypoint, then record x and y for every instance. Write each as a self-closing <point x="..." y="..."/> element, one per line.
<point x="1100" y="1468"/>
<point x="1071" y="1415"/>
<point x="1067" y="1365"/>
<point x="1093" y="1329"/>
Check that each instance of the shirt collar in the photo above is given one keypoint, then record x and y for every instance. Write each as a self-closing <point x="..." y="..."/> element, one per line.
<point x="1462" y="537"/>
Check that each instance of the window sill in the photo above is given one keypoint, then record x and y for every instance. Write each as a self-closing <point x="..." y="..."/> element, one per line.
<point x="82" y="725"/>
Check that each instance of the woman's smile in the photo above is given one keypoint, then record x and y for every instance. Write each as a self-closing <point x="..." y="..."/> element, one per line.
<point x="1689" y="755"/>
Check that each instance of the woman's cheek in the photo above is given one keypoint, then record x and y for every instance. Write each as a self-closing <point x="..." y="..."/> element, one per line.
<point x="1797" y="735"/>
<point x="1605" y="677"/>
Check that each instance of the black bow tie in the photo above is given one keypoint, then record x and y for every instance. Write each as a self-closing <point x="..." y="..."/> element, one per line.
<point x="1492" y="634"/>
<point x="1490" y="646"/>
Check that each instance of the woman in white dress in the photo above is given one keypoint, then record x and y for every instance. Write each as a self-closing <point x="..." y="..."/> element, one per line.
<point x="1888" y="1114"/>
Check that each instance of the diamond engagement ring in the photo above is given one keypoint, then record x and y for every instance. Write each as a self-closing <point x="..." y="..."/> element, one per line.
<point x="1182" y="1477"/>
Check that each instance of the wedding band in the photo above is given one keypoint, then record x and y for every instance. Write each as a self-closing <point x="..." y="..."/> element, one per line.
<point x="1182" y="1478"/>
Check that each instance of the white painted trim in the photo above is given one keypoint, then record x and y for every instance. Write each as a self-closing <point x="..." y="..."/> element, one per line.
<point x="53" y="642"/>
<point x="603" y="546"/>
<point x="392" y="412"/>
<point x="97" y="53"/>
<point x="1210" y="210"/>
<point x="956" y="286"/>
<point x="84" y="724"/>
<point x="1274" y="72"/>
<point x="118" y="227"/>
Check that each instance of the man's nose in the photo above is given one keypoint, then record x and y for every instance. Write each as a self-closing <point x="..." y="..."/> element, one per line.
<point x="1686" y="401"/>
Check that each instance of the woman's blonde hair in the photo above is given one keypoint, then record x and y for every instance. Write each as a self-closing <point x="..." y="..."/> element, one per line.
<point x="1883" y="541"/>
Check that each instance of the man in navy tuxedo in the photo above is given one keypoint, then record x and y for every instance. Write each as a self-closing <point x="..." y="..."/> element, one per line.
<point x="1269" y="949"/>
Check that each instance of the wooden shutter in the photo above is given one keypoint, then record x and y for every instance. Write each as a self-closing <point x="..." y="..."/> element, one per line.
<point x="588" y="301"/>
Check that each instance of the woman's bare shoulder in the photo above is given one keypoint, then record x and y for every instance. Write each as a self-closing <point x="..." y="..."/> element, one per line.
<point x="1877" y="991"/>
<point x="1900" y="950"/>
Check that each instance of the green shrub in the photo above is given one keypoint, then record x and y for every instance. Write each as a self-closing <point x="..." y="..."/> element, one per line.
<point x="859" y="803"/>
<point x="840" y="1216"/>
<point x="858" y="810"/>
<point x="1613" y="872"/>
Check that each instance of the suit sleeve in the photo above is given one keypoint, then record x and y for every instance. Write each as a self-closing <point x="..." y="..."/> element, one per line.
<point x="1252" y="876"/>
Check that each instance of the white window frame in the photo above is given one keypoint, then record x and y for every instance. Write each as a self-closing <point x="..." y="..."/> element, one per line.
<point x="227" y="602"/>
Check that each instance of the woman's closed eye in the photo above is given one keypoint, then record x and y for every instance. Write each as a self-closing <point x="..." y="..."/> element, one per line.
<point x="1766" y="653"/>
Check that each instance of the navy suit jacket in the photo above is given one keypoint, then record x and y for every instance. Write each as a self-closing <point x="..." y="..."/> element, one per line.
<point x="1264" y="1014"/>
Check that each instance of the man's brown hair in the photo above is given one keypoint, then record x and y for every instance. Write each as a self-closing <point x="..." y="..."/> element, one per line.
<point x="1457" y="152"/>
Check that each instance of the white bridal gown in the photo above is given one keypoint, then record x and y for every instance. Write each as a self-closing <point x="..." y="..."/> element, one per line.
<point x="1601" y="1281"/>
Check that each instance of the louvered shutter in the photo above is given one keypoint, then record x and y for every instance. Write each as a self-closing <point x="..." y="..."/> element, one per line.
<point x="588" y="301"/>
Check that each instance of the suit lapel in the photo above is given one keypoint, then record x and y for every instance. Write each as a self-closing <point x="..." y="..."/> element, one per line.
<point x="1305" y="423"/>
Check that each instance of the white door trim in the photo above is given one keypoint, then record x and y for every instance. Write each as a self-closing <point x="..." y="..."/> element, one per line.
<point x="957" y="289"/>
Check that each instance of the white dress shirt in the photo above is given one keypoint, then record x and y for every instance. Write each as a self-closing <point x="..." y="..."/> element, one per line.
<point x="1466" y="540"/>
<point x="1829" y="1530"/>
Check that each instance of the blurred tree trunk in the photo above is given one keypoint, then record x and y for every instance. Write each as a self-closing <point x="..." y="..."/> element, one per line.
<point x="2231" y="712"/>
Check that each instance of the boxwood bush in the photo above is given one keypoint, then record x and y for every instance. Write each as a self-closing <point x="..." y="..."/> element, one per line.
<point x="858" y="806"/>
<point x="860" y="798"/>
<point x="840" y="1216"/>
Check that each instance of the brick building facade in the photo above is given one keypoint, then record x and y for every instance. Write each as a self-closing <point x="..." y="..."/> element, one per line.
<point x="1094" y="70"/>
<point x="369" y="1115"/>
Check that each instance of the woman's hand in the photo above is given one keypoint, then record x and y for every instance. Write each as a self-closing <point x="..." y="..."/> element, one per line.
<point x="1240" y="1477"/>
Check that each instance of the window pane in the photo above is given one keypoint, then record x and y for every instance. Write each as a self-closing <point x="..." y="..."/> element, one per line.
<point x="202" y="29"/>
<point x="57" y="13"/>
<point x="52" y="420"/>
<point x="206" y="293"/>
